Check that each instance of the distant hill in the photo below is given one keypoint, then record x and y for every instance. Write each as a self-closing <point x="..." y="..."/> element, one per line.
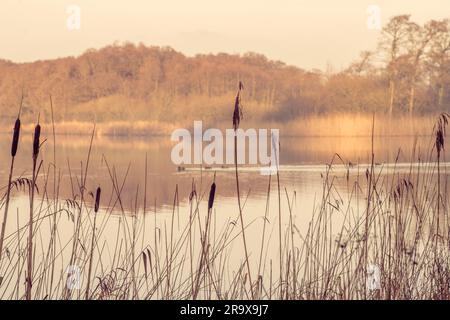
<point x="130" y="83"/>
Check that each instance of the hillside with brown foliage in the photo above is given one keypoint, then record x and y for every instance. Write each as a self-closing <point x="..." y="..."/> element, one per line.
<point x="409" y="72"/>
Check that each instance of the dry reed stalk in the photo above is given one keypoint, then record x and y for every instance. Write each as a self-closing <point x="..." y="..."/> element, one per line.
<point x="144" y="217"/>
<point x="91" y="255"/>
<point x="175" y="200"/>
<point x="36" y="146"/>
<point x="279" y="215"/>
<point x="440" y="145"/>
<point x="133" y="245"/>
<point x="369" y="199"/>
<point x="237" y="115"/>
<point x="53" y="237"/>
<point x="14" y="147"/>
<point x="205" y="240"/>
<point x="191" y="254"/>
<point x="264" y="226"/>
<point x="291" y="226"/>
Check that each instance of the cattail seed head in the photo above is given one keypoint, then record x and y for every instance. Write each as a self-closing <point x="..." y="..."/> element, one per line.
<point x="15" y="142"/>
<point x="439" y="141"/>
<point x="36" y="144"/>
<point x="237" y="114"/>
<point x="212" y="193"/>
<point x="440" y="132"/>
<point x="97" y="199"/>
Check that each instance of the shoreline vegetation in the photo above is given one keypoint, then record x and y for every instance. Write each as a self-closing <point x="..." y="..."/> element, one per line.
<point x="339" y="125"/>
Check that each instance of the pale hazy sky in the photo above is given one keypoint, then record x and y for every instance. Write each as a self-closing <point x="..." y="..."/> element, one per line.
<point x="306" y="33"/>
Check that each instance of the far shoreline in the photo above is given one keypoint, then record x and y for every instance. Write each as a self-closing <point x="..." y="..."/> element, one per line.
<point x="334" y="125"/>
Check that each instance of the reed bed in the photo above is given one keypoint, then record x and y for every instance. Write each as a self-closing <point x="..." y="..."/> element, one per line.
<point x="327" y="125"/>
<point x="386" y="236"/>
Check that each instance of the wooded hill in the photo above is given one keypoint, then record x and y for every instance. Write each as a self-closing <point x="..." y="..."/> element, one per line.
<point x="409" y="72"/>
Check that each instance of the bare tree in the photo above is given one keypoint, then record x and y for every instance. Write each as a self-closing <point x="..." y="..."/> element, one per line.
<point x="394" y="37"/>
<point x="419" y="42"/>
<point x="439" y="60"/>
<point x="362" y="65"/>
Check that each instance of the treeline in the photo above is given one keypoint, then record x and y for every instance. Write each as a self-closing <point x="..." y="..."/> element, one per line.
<point x="408" y="72"/>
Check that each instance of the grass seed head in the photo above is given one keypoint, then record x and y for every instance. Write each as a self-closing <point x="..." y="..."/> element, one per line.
<point x="440" y="132"/>
<point x="237" y="114"/>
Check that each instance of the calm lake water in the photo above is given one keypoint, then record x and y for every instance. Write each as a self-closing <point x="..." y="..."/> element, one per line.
<point x="302" y="161"/>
